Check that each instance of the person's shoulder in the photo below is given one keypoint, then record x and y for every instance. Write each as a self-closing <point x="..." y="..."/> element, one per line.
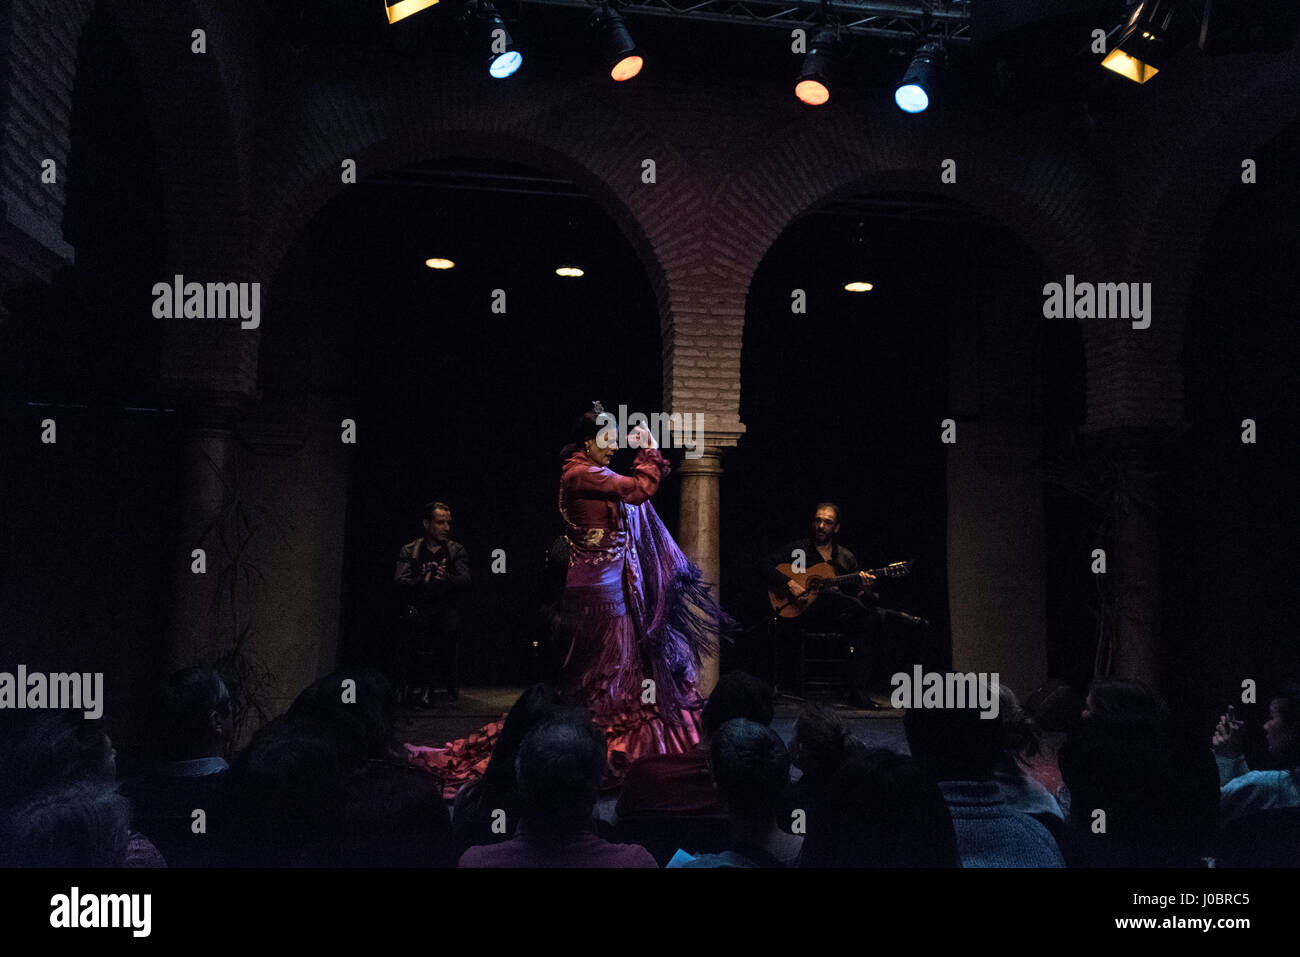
<point x="628" y="855"/>
<point x="408" y="550"/>
<point x="1257" y="779"/>
<point x="579" y="466"/>
<point x="503" y="854"/>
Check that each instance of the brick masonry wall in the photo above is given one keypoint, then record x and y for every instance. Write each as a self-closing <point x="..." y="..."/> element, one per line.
<point x="243" y="175"/>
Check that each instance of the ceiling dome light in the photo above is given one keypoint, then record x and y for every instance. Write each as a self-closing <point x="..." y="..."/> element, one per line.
<point x="913" y="91"/>
<point x="569" y="271"/>
<point x="617" y="48"/>
<point x="814" y="84"/>
<point x="858" y="287"/>
<point x="436" y="263"/>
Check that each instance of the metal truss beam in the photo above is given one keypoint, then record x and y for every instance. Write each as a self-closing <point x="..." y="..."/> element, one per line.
<point x="948" y="20"/>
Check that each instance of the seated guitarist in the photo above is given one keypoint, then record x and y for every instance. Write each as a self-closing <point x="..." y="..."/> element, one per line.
<point x="848" y="609"/>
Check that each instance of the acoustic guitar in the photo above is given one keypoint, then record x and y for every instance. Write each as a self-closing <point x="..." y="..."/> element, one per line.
<point x="819" y="577"/>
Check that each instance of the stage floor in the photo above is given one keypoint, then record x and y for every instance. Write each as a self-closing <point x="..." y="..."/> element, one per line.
<point x="448" y="720"/>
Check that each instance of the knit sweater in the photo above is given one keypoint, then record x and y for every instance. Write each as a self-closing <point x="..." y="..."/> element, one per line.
<point x="990" y="833"/>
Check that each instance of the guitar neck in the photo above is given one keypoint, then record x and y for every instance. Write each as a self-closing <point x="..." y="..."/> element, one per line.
<point x="841" y="579"/>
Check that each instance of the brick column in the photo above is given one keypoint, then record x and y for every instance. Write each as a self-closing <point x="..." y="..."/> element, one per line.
<point x="700" y="533"/>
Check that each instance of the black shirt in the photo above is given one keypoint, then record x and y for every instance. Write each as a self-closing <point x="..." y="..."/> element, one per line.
<point x="842" y="560"/>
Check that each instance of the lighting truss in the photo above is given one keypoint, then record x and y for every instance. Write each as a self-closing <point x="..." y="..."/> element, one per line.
<point x="948" y="20"/>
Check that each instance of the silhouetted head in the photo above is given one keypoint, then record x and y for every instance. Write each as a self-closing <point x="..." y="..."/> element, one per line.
<point x="822" y="741"/>
<point x="881" y="810"/>
<point x="559" y="769"/>
<point x="738" y="695"/>
<point x="194" y="715"/>
<point x="357" y="709"/>
<point x="751" y="769"/>
<point x="1120" y="700"/>
<point x="46" y="750"/>
<point x="954" y="744"/>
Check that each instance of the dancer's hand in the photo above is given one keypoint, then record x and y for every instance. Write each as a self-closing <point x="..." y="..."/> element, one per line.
<point x="642" y="438"/>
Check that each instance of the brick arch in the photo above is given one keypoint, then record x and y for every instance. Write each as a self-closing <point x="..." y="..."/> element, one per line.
<point x="590" y="143"/>
<point x="1046" y="196"/>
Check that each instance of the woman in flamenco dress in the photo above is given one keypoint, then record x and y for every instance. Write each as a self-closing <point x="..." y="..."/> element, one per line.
<point x="636" y="618"/>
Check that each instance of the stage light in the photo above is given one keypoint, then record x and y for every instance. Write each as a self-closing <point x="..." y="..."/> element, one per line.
<point x="814" y="84"/>
<point x="860" y="261"/>
<point x="436" y="263"/>
<point x="1146" y="41"/>
<point x="569" y="272"/>
<point x="404" y="8"/>
<point x="617" y="48"/>
<point x="913" y="91"/>
<point x="487" y="25"/>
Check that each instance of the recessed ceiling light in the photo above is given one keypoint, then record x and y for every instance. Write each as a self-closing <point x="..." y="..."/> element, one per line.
<point x="439" y="263"/>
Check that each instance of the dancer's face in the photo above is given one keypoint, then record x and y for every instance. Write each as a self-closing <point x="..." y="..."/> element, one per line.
<point x="601" y="449"/>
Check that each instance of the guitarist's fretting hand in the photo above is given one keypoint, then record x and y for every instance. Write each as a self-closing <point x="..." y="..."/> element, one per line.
<point x="867" y="579"/>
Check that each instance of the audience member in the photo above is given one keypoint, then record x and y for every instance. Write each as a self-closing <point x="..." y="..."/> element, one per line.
<point x="1243" y="791"/>
<point x="1124" y="767"/>
<point x="1020" y="737"/>
<point x="50" y="751"/>
<point x="82" y="824"/>
<point x="180" y="803"/>
<point x="751" y="771"/>
<point x="880" y="810"/>
<point x="821" y="744"/>
<point x="680" y="785"/>
<point x="960" y="748"/>
<point x="475" y="817"/>
<point x="559" y="770"/>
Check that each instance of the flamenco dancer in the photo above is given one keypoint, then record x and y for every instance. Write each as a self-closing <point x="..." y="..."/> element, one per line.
<point x="636" y="616"/>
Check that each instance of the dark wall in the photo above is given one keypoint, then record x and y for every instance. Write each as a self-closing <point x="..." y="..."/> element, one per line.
<point x="465" y="406"/>
<point x="1232" y="517"/>
<point x="83" y="521"/>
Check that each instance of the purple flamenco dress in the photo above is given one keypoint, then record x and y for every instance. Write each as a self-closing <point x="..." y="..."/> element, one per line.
<point x="639" y="620"/>
<point x="639" y="617"/>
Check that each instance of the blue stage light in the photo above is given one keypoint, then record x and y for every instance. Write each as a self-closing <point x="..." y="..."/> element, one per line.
<point x="505" y="64"/>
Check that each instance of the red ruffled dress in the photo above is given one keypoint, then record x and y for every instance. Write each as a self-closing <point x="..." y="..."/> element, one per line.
<point x="637" y="638"/>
